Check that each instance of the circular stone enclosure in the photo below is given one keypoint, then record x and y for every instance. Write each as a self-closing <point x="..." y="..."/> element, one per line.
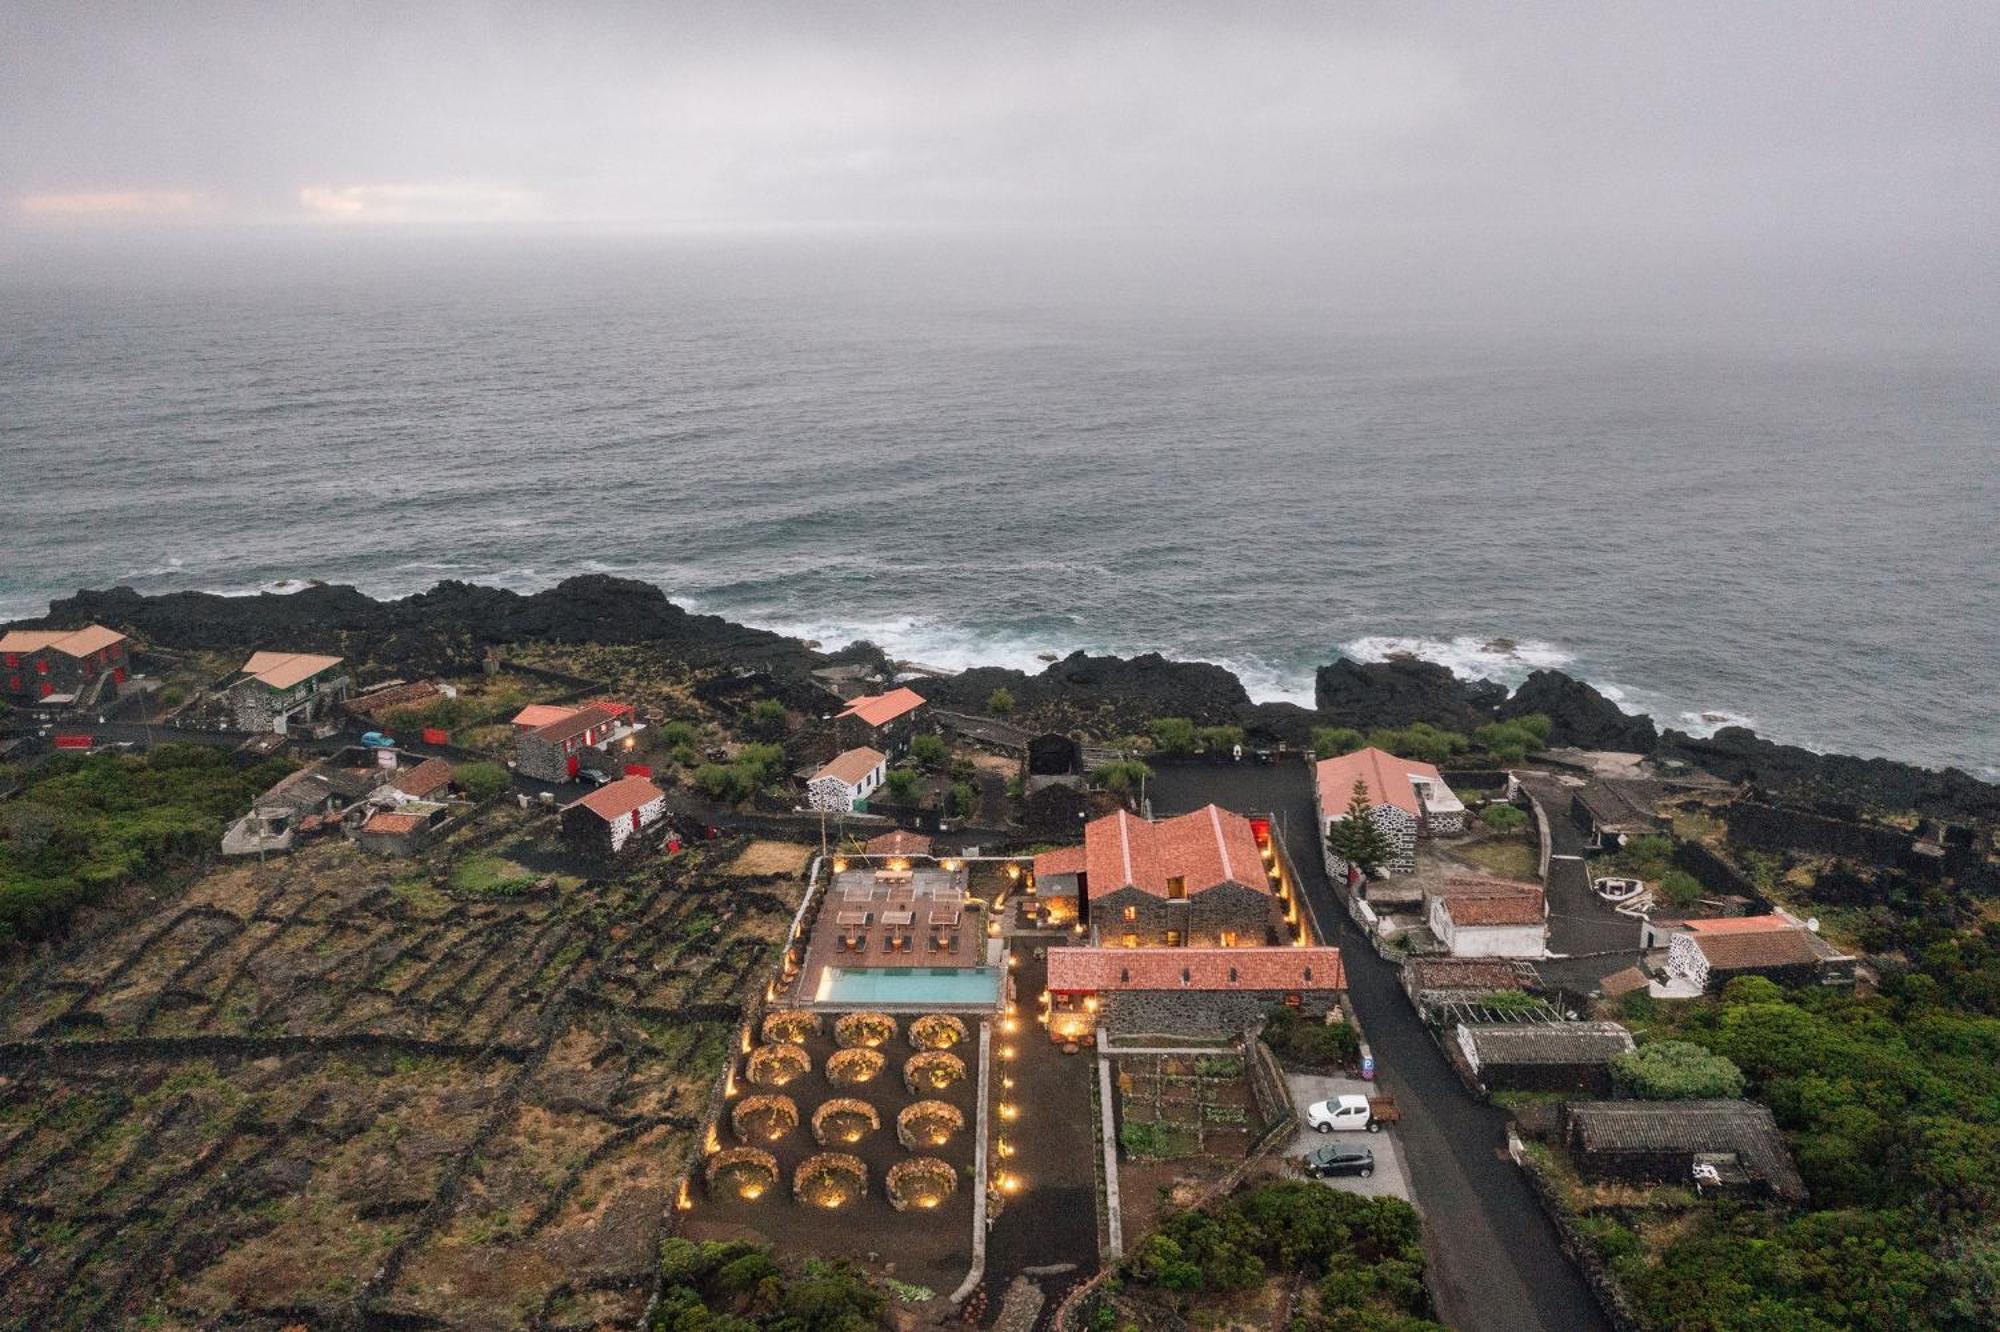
<point x="850" y="1068"/>
<point x="933" y="1071"/>
<point x="742" y="1172"/>
<point x="844" y="1120"/>
<point x="764" y="1118"/>
<point x="791" y="1027"/>
<point x="866" y="1030"/>
<point x="776" y="1065"/>
<point x="938" y="1031"/>
<point x="922" y="1182"/>
<point x="830" y="1179"/>
<point x="927" y="1125"/>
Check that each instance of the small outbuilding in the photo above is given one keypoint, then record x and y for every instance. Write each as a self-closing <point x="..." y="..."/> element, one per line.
<point x="1664" y="1142"/>
<point x="1543" y="1056"/>
<point x="610" y="818"/>
<point x="1481" y="917"/>
<point x="1711" y="953"/>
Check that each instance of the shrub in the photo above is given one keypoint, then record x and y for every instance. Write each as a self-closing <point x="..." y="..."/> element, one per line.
<point x="1512" y="741"/>
<point x="903" y="785"/>
<point x="964" y="800"/>
<point x="1333" y="741"/>
<point x="929" y="751"/>
<point x="1679" y="887"/>
<point x="1001" y="702"/>
<point x="1123" y="777"/>
<point x="1420" y="740"/>
<point x="1676" y="1071"/>
<point x="482" y="781"/>
<point x="1175" y="735"/>
<point x="1219" y="739"/>
<point x="1504" y="818"/>
<point x="1303" y="1042"/>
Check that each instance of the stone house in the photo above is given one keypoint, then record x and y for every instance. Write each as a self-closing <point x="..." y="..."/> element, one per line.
<point x="1542" y="1056"/>
<point x="1408" y="800"/>
<point x="584" y="737"/>
<point x="404" y="830"/>
<point x="1186" y="991"/>
<point x="1643" y="1142"/>
<point x="848" y="780"/>
<point x="1196" y="880"/>
<point x="1611" y="812"/>
<point x="1481" y="917"/>
<point x="881" y="721"/>
<point x="277" y="691"/>
<point x="1434" y="983"/>
<point x="1711" y="953"/>
<point x="55" y="667"/>
<point x="610" y="818"/>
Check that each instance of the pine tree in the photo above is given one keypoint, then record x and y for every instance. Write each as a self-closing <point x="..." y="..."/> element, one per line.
<point x="1356" y="839"/>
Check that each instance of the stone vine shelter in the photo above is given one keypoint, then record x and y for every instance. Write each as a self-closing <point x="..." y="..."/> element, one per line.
<point x="63" y="667"/>
<point x="276" y="691"/>
<point x="1407" y="800"/>
<point x="1199" y="880"/>
<point x="1186" y="990"/>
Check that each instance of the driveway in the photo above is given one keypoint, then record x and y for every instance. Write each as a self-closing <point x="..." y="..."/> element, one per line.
<point x="1580" y="922"/>
<point x="1390" y="1179"/>
<point x="1494" y="1260"/>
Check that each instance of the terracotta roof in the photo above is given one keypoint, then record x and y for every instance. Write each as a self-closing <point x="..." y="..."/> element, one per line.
<point x="1623" y="982"/>
<point x="1744" y="1128"/>
<point x="392" y="825"/>
<point x="282" y="670"/>
<point x="614" y="800"/>
<point x="1787" y="946"/>
<point x="427" y="778"/>
<point x="70" y="642"/>
<point x="376" y="702"/>
<point x="1387" y="776"/>
<point x="879" y="709"/>
<point x="852" y="766"/>
<point x="1208" y="847"/>
<point x="1463" y="973"/>
<point x="1100" y="970"/>
<point x="898" y="843"/>
<point x="1062" y="860"/>
<point x="1549" y="1042"/>
<point x="1713" y="925"/>
<point x="577" y="722"/>
<point x="1477" y="900"/>
<point x="537" y="715"/>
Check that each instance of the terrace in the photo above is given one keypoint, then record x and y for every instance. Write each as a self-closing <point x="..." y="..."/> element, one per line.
<point x="901" y="937"/>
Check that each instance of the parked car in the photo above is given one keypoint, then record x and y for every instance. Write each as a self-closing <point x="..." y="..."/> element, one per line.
<point x="1352" y="1111"/>
<point x="1618" y="890"/>
<point x="1339" y="1159"/>
<point x="594" y="776"/>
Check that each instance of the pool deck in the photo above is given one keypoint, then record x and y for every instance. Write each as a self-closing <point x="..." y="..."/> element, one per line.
<point x="916" y="921"/>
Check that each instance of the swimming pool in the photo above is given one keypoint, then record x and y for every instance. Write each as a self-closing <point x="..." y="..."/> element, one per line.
<point x="909" y="987"/>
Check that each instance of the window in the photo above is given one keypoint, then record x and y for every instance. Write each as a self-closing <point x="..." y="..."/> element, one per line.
<point x="1229" y="938"/>
<point x="1177" y="888"/>
<point x="1130" y="940"/>
<point x="1173" y="938"/>
<point x="1131" y="913"/>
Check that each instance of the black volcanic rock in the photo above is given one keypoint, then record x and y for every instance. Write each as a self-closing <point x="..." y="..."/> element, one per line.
<point x="449" y="627"/>
<point x="1579" y="715"/>
<point x="1366" y="695"/>
<point x="1119" y="691"/>
<point x="1740" y="755"/>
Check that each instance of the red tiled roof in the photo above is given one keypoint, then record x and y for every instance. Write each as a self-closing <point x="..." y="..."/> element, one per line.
<point x="1062" y="860"/>
<point x="1740" y="925"/>
<point x="852" y="766"/>
<point x="282" y="670"/>
<point x="1521" y="910"/>
<point x="1206" y="848"/>
<point x="879" y="709"/>
<point x="614" y="800"/>
<point x="388" y="824"/>
<point x="70" y="642"/>
<point x="1787" y="946"/>
<point x="427" y="778"/>
<point x="576" y="723"/>
<point x="537" y="715"/>
<point x="1387" y="776"/>
<point x="898" y="843"/>
<point x="1098" y="970"/>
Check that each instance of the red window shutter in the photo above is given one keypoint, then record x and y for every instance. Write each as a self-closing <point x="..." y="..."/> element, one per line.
<point x="118" y="675"/>
<point x="13" y="684"/>
<point x="635" y="820"/>
<point x="42" y="666"/>
<point x="47" y="689"/>
<point x="13" y="660"/>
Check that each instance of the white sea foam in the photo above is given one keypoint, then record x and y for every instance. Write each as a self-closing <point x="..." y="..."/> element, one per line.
<point x="1705" y="722"/>
<point x="1502" y="660"/>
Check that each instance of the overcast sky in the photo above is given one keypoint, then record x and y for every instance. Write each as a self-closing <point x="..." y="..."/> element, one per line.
<point x="1727" y="133"/>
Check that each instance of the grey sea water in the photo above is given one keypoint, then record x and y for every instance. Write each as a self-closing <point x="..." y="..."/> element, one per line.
<point x="976" y="456"/>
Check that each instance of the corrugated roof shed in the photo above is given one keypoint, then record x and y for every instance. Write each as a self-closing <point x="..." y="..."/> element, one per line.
<point x="1549" y="1042"/>
<point x="1696" y="1127"/>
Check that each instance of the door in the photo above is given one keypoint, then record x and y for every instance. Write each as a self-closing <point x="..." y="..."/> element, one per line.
<point x="569" y="765"/>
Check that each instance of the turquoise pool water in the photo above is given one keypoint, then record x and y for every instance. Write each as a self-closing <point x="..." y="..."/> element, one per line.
<point x="909" y="987"/>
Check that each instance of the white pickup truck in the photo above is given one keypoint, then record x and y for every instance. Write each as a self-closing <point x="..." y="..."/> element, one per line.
<point x="1352" y="1111"/>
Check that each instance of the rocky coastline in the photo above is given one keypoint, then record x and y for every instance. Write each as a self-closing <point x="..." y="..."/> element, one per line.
<point x="454" y="625"/>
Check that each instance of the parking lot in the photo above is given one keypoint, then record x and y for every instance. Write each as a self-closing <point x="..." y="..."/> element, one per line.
<point x="1390" y="1179"/>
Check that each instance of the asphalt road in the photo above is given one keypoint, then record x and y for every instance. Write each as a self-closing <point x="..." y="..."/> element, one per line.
<point x="1494" y="1260"/>
<point x="1580" y="922"/>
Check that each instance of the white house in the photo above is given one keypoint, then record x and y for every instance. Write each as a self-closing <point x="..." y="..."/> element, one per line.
<point x="848" y="780"/>
<point x="1408" y="799"/>
<point x="1475" y="917"/>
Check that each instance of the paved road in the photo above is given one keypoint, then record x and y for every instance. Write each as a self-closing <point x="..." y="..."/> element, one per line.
<point x="1579" y="921"/>
<point x="1391" y="1178"/>
<point x="1494" y="1260"/>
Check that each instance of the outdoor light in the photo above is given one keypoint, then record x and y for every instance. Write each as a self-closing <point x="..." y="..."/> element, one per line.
<point x="1008" y="1110"/>
<point x="1007" y="1084"/>
<point x="839" y="865"/>
<point x="1006" y="1052"/>
<point x="685" y="1202"/>
<point x="711" y="1144"/>
<point x="1010" y="1026"/>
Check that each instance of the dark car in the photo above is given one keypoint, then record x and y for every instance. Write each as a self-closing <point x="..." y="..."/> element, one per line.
<point x="594" y="776"/>
<point x="1340" y="1160"/>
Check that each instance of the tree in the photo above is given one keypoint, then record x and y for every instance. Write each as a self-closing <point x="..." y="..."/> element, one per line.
<point x="964" y="800"/>
<point x="1175" y="735"/>
<point x="1001" y="702"/>
<point x="482" y="781"/>
<point x="903" y="783"/>
<point x="1356" y="838"/>
<point x="1676" y="1071"/>
<point x="1333" y="741"/>
<point x="929" y="752"/>
<point x="767" y="717"/>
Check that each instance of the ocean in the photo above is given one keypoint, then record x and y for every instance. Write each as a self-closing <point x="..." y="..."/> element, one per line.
<point x="984" y="455"/>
